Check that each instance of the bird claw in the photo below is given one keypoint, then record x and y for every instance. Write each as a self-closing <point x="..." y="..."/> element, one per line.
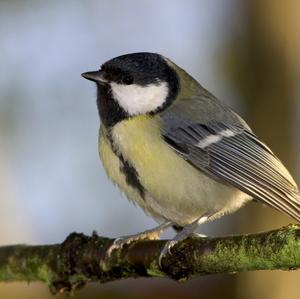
<point x="120" y="242"/>
<point x="170" y="244"/>
<point x="117" y="244"/>
<point x="151" y="234"/>
<point x="166" y="250"/>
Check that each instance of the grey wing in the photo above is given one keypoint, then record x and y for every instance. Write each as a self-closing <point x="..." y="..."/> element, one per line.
<point x="234" y="155"/>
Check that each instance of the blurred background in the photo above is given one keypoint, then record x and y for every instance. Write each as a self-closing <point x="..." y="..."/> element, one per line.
<point x="51" y="181"/>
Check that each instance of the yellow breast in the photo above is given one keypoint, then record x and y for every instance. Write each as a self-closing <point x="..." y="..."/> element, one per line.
<point x="159" y="167"/>
<point x="176" y="190"/>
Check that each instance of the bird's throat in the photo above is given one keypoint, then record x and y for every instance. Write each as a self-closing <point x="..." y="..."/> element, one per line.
<point x="109" y="110"/>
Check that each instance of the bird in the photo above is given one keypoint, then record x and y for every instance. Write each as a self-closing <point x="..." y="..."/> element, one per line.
<point x="178" y="152"/>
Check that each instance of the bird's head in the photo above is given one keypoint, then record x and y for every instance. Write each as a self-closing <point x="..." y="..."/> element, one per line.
<point x="134" y="84"/>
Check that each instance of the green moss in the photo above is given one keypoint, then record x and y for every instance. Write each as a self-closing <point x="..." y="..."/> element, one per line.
<point x="153" y="270"/>
<point x="263" y="251"/>
<point x="80" y="258"/>
<point x="44" y="274"/>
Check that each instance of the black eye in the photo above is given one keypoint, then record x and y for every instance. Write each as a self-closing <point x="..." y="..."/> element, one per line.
<point x="127" y="80"/>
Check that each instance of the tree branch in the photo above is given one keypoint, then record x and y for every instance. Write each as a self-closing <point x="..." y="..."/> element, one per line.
<point x="80" y="259"/>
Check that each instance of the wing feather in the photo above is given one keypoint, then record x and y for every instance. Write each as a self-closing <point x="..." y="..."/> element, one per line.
<point x="234" y="155"/>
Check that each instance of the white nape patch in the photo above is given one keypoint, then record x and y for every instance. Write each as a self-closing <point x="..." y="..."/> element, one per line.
<point x="211" y="139"/>
<point x="136" y="99"/>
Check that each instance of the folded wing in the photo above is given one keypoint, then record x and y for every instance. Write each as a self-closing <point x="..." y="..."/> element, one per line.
<point x="235" y="156"/>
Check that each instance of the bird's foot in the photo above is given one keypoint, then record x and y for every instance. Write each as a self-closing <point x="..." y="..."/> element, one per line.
<point x="187" y="231"/>
<point x="151" y="234"/>
<point x="170" y="244"/>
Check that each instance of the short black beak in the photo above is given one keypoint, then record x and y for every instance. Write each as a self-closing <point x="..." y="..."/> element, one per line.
<point x="96" y="76"/>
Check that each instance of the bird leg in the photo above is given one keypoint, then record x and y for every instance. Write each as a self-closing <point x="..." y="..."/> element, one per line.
<point x="187" y="231"/>
<point x="151" y="234"/>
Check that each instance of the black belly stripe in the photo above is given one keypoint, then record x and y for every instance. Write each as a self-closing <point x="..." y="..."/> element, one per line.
<point x="130" y="173"/>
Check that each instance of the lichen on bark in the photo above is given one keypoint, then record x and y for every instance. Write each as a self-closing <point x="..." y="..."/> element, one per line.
<point x="81" y="259"/>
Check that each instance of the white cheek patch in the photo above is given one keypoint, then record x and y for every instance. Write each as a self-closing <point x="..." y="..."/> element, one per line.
<point x="136" y="99"/>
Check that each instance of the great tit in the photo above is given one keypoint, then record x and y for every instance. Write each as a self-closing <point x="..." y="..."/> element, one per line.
<point x="178" y="152"/>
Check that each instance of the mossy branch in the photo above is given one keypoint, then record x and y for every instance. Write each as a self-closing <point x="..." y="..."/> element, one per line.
<point x="80" y="259"/>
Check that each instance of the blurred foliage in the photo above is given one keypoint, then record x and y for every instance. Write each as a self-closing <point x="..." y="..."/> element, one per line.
<point x="263" y="64"/>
